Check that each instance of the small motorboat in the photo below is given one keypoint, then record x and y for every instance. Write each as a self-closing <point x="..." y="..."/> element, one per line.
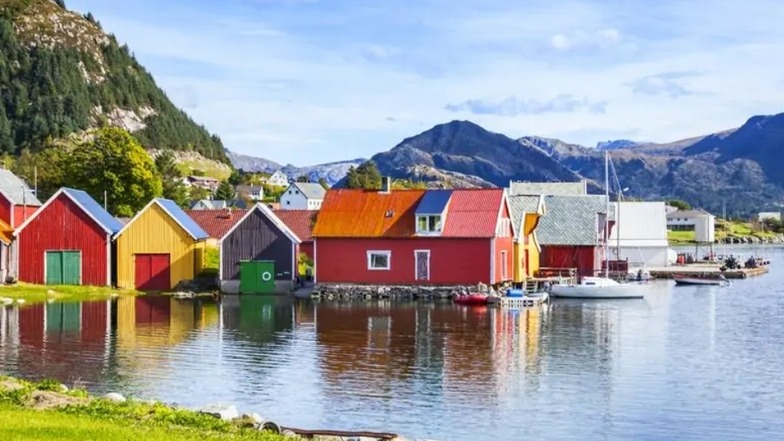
<point x="473" y="299"/>
<point x="685" y="280"/>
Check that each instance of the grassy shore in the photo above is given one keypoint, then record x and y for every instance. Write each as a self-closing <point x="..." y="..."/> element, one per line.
<point x="45" y="411"/>
<point x="40" y="293"/>
<point x="723" y="230"/>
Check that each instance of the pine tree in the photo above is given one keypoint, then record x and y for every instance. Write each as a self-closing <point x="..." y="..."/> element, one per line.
<point x="171" y="177"/>
<point x="225" y="191"/>
<point x="323" y="182"/>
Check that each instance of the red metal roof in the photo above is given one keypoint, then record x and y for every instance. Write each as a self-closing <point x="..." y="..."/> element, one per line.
<point x="299" y="221"/>
<point x="216" y="222"/>
<point x="473" y="213"/>
<point x="367" y="213"/>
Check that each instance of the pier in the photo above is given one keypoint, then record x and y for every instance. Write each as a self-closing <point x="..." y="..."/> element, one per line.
<point x="707" y="271"/>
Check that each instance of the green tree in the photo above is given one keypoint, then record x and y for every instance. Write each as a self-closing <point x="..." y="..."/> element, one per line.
<point x="171" y="178"/>
<point x="47" y="167"/>
<point x="366" y="176"/>
<point x="679" y="204"/>
<point x="225" y="191"/>
<point x="303" y="178"/>
<point x="323" y="182"/>
<point x="115" y="163"/>
<point x="236" y="177"/>
<point x="198" y="193"/>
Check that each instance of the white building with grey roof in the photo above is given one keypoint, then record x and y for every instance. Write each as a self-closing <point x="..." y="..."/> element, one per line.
<point x="303" y="196"/>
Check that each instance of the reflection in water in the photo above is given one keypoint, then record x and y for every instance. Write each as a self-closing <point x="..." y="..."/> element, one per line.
<point x="685" y="363"/>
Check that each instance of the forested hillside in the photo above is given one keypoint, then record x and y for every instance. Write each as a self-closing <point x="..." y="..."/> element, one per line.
<point x="60" y="74"/>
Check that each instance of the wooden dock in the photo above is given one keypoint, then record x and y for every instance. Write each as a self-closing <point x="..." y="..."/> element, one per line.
<point x="706" y="271"/>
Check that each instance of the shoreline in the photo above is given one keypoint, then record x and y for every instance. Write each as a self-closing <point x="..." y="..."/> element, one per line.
<point x="50" y="410"/>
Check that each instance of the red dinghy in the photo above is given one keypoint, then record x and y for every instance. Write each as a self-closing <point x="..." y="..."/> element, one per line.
<point x="473" y="298"/>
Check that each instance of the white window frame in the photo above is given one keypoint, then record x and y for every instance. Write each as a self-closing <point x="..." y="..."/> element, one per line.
<point x="370" y="255"/>
<point x="428" y="232"/>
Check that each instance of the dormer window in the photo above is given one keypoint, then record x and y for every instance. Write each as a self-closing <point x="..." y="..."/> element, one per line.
<point x="429" y="223"/>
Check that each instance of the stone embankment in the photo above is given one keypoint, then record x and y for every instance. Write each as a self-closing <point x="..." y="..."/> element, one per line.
<point x="383" y="292"/>
<point x="777" y="239"/>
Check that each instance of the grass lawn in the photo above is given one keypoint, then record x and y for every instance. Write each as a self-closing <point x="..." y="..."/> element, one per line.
<point x="212" y="169"/>
<point x="680" y="236"/>
<point x="212" y="258"/>
<point x="43" y="293"/>
<point x="75" y="416"/>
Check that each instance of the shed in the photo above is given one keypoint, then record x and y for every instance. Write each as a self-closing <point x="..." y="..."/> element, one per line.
<point x="159" y="248"/>
<point x="68" y="241"/>
<point x="643" y="234"/>
<point x="259" y="236"/>
<point x="17" y="201"/>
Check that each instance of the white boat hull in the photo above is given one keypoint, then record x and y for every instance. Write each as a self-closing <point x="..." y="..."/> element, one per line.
<point x="697" y="281"/>
<point x="599" y="288"/>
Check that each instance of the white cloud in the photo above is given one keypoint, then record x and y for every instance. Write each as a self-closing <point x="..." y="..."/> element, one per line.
<point x="602" y="38"/>
<point x="307" y="83"/>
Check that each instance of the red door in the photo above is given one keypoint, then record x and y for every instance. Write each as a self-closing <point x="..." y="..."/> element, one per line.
<point x="153" y="272"/>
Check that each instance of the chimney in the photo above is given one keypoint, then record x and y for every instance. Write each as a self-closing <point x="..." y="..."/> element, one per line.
<point x="386" y="184"/>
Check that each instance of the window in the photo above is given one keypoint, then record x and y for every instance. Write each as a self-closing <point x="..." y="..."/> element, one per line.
<point x="504" y="266"/>
<point x="429" y="224"/>
<point x="288" y="202"/>
<point x="379" y="260"/>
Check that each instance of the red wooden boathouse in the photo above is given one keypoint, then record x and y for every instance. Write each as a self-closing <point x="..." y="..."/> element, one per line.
<point x="414" y="237"/>
<point x="68" y="241"/>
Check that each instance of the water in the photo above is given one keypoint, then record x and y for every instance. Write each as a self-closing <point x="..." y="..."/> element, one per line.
<point x="686" y="363"/>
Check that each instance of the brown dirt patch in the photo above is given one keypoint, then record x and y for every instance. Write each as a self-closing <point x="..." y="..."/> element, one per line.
<point x="9" y="385"/>
<point x="44" y="399"/>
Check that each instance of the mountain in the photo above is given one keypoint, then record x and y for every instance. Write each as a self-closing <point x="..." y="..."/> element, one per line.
<point x="616" y="145"/>
<point x="463" y="154"/>
<point x="61" y="74"/>
<point x="736" y="169"/>
<point x="332" y="172"/>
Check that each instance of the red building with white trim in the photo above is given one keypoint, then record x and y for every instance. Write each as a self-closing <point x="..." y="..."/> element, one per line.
<point x="414" y="237"/>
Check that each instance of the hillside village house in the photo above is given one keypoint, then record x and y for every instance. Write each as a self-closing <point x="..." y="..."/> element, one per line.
<point x="253" y="192"/>
<point x="68" y="241"/>
<point x="205" y="182"/>
<point x="218" y="204"/>
<point x="572" y="233"/>
<point x="278" y="179"/>
<point x="686" y="220"/>
<point x="769" y="215"/>
<point x="526" y="212"/>
<point x="643" y="234"/>
<point x="414" y="237"/>
<point x="302" y="196"/>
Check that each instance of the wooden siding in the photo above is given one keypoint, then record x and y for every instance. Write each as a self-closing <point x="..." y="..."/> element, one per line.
<point x="22" y="213"/>
<point x="63" y="226"/>
<point x="6" y="211"/>
<point x="526" y="268"/>
<point x="154" y="232"/>
<point x="257" y="238"/>
<point x="505" y="242"/>
<point x="452" y="261"/>
<point x="586" y="259"/>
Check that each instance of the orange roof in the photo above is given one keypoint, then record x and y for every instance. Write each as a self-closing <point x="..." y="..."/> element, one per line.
<point x="368" y="213"/>
<point x="298" y="221"/>
<point x="6" y="233"/>
<point x="216" y="222"/>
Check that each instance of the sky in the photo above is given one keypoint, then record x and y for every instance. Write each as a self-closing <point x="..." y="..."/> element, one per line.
<point x="314" y="81"/>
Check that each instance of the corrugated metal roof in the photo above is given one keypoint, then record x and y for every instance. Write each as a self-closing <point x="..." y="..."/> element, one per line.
<point x="367" y="213"/>
<point x="6" y="233"/>
<point x="94" y="209"/>
<point x="518" y="205"/>
<point x="517" y="188"/>
<point x="299" y="221"/>
<point x="571" y="220"/>
<point x="216" y="222"/>
<point x="182" y="218"/>
<point x="311" y="190"/>
<point x="434" y="202"/>
<point x="16" y="189"/>
<point x="473" y="213"/>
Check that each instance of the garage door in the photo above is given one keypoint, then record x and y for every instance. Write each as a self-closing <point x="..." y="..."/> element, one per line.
<point x="63" y="267"/>
<point x="153" y="272"/>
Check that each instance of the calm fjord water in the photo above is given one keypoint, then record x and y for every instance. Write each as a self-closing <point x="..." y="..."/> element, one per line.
<point x="685" y="363"/>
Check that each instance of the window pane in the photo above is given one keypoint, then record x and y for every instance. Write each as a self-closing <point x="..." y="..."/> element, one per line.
<point x="435" y="223"/>
<point x="422" y="223"/>
<point x="380" y="261"/>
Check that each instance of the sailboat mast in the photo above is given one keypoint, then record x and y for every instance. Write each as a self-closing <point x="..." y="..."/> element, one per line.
<point x="607" y="212"/>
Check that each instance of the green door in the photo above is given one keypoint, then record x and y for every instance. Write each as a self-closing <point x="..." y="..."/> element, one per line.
<point x="63" y="267"/>
<point x="257" y="277"/>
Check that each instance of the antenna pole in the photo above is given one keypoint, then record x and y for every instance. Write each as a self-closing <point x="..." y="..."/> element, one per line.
<point x="607" y="213"/>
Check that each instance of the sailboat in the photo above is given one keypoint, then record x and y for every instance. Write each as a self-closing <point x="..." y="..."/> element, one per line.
<point x="601" y="287"/>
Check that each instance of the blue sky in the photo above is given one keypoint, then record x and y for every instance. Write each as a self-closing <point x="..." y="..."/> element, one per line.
<point x="312" y="81"/>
